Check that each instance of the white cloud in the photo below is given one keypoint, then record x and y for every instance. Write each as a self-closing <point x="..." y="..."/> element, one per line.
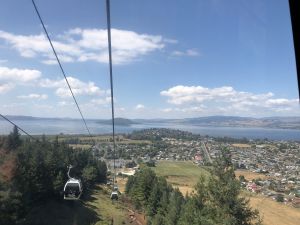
<point x="10" y="77"/>
<point x="188" y="94"/>
<point x="167" y="110"/>
<point x="86" y="45"/>
<point x="44" y="107"/>
<point x="3" y="61"/>
<point x="225" y="100"/>
<point x="139" y="107"/>
<point x="191" y="109"/>
<point x="200" y="108"/>
<point x="53" y="61"/>
<point x="192" y="52"/>
<point x="120" y="109"/>
<point x="14" y="105"/>
<point x="65" y="103"/>
<point x="101" y="101"/>
<point x="188" y="52"/>
<point x="34" y="96"/>
<point x="78" y="87"/>
<point x="127" y="45"/>
<point x="177" y="53"/>
<point x="6" y="87"/>
<point x="18" y="75"/>
<point x="30" y="46"/>
<point x="282" y="102"/>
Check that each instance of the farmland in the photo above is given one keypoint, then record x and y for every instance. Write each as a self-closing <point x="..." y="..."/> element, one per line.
<point x="274" y="213"/>
<point x="181" y="174"/>
<point x="250" y="175"/>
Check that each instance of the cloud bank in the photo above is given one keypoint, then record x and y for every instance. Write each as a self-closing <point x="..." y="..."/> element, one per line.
<point x="81" y="45"/>
<point x="225" y="100"/>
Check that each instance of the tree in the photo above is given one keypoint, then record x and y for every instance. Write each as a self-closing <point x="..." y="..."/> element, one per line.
<point x="89" y="175"/>
<point x="279" y="198"/>
<point x="10" y="206"/>
<point x="150" y="163"/>
<point x="217" y="200"/>
<point x="174" y="208"/>
<point x="242" y="178"/>
<point x="158" y="219"/>
<point x="130" y="164"/>
<point x="101" y="171"/>
<point x="59" y="182"/>
<point x="13" y="140"/>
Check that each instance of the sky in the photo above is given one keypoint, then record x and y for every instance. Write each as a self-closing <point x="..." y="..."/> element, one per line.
<point x="171" y="58"/>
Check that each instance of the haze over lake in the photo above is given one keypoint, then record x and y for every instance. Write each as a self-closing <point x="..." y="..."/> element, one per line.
<point x="74" y="126"/>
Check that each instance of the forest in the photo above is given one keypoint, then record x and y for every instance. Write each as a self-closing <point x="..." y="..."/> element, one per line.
<point x="33" y="171"/>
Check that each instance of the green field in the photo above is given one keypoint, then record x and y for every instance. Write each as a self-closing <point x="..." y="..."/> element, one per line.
<point x="181" y="174"/>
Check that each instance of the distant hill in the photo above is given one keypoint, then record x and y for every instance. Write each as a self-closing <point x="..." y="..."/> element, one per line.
<point x="208" y="121"/>
<point x="235" y="121"/>
<point x="20" y="117"/>
<point x="232" y="121"/>
<point x="118" y="122"/>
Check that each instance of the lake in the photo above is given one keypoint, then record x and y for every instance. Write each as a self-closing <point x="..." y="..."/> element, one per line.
<point x="69" y="126"/>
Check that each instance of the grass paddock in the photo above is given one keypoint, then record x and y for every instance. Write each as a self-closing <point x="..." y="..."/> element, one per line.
<point x="181" y="174"/>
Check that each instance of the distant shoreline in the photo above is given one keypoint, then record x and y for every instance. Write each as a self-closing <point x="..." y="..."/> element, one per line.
<point x="76" y="127"/>
<point x="210" y="121"/>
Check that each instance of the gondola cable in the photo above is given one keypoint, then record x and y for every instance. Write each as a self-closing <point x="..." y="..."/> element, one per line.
<point x="114" y="194"/>
<point x="73" y="187"/>
<point x="61" y="68"/>
<point x="8" y="120"/>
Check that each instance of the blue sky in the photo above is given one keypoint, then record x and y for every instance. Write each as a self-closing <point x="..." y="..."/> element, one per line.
<point x="171" y="59"/>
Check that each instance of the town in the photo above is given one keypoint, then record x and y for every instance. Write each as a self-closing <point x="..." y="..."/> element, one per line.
<point x="268" y="167"/>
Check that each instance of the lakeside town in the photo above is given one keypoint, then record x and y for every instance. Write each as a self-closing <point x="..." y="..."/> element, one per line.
<point x="268" y="167"/>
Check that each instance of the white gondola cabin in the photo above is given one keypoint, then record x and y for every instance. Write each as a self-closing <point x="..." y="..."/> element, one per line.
<point x="72" y="189"/>
<point x="114" y="195"/>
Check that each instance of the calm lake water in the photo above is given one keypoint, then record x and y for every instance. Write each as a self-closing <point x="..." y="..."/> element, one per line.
<point x="51" y="126"/>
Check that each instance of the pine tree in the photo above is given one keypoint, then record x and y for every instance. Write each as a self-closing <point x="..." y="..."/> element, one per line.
<point x="154" y="200"/>
<point x="13" y="140"/>
<point x="217" y="199"/>
<point x="89" y="175"/>
<point x="174" y="208"/>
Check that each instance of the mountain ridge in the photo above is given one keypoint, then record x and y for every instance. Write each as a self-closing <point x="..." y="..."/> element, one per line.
<point x="289" y="122"/>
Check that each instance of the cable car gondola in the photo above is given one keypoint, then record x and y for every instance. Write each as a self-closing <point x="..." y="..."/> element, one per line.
<point x="115" y="192"/>
<point x="116" y="188"/>
<point x="114" y="195"/>
<point x="73" y="188"/>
